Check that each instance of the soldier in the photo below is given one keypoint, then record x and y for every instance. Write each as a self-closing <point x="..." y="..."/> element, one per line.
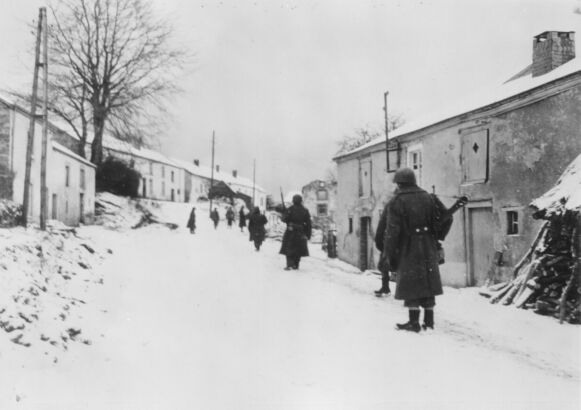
<point x="214" y="216"/>
<point x="411" y="248"/>
<point x="230" y="216"/>
<point x="256" y="222"/>
<point x="298" y="232"/>
<point x="383" y="264"/>
<point x="192" y="221"/>
<point x="241" y="219"/>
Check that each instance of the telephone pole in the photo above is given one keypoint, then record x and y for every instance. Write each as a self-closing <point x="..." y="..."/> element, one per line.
<point x="212" y="172"/>
<point x="30" y="142"/>
<point x="386" y="130"/>
<point x="43" y="187"/>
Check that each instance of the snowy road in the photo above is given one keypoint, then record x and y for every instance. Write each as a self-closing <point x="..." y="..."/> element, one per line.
<point x="205" y="322"/>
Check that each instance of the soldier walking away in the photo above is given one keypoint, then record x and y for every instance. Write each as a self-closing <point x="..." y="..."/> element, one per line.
<point x="298" y="232"/>
<point x="256" y="223"/>
<point x="192" y="221"/>
<point x="241" y="219"/>
<point x="214" y="216"/>
<point x="411" y="249"/>
<point x="230" y="216"/>
<point x="383" y="264"/>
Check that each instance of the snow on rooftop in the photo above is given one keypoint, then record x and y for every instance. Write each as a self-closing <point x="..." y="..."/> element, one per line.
<point x="472" y="101"/>
<point x="565" y="195"/>
<point x="206" y="172"/>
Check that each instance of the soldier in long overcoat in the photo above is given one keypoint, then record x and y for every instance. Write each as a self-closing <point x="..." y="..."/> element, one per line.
<point x="411" y="248"/>
<point x="215" y="217"/>
<point x="241" y="219"/>
<point x="192" y="221"/>
<point x="230" y="216"/>
<point x="383" y="264"/>
<point x="297" y="233"/>
<point x="256" y="223"/>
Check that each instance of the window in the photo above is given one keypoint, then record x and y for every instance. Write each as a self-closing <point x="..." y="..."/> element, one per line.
<point x="350" y="225"/>
<point x="163" y="188"/>
<point x="162" y="171"/>
<point x="151" y="168"/>
<point x="321" y="210"/>
<point x="512" y="222"/>
<point x="415" y="163"/>
<point x="151" y="187"/>
<point x="67" y="175"/>
<point x="172" y="176"/>
<point x="82" y="179"/>
<point x="365" y="179"/>
<point x="322" y="195"/>
<point x="54" y="206"/>
<point x="474" y="156"/>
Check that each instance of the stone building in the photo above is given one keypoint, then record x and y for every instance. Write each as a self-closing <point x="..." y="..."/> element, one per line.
<point x="70" y="179"/>
<point x="501" y="148"/>
<point x="319" y="197"/>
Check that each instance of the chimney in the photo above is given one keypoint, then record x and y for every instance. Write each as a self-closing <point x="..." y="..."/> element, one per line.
<point x="552" y="49"/>
<point x="235" y="173"/>
<point x="197" y="162"/>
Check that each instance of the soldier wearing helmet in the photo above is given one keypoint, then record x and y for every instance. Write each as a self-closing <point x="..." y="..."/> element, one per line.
<point x="411" y="248"/>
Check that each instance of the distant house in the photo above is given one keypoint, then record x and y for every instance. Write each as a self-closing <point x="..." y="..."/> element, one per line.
<point x="198" y="179"/>
<point x="501" y="149"/>
<point x="70" y="178"/>
<point x="161" y="178"/>
<point x="319" y="197"/>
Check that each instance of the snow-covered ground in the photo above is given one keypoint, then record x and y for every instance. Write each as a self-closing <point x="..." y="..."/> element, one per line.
<point x="181" y="321"/>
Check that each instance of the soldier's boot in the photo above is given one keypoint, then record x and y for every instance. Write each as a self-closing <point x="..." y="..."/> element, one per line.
<point x="296" y="262"/>
<point x="384" y="290"/>
<point x="413" y="325"/>
<point x="428" y="319"/>
<point x="289" y="263"/>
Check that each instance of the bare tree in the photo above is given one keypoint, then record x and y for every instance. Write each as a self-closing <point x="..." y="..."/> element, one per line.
<point x="112" y="63"/>
<point x="363" y="135"/>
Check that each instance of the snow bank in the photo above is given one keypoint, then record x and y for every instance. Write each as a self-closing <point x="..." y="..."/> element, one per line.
<point x="43" y="279"/>
<point x="565" y="195"/>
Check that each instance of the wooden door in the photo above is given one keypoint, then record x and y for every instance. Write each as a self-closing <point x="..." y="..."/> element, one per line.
<point x="364" y="243"/>
<point x="480" y="244"/>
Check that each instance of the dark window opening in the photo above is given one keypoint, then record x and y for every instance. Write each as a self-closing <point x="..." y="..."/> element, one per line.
<point x="350" y="225"/>
<point x="321" y="210"/>
<point x="512" y="222"/>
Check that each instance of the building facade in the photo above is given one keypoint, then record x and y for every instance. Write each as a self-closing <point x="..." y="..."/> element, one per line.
<point x="70" y="179"/>
<point x="502" y="151"/>
<point x="320" y="198"/>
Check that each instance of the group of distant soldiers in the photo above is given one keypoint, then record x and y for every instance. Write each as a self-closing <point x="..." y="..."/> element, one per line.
<point x="408" y="235"/>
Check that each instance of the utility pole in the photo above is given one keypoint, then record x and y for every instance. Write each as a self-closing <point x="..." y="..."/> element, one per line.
<point x="30" y="142"/>
<point x="386" y="130"/>
<point x="43" y="187"/>
<point x="253" y="182"/>
<point x="212" y="174"/>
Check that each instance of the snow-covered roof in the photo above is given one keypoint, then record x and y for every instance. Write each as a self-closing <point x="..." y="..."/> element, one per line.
<point x="206" y="172"/>
<point x="472" y="101"/>
<point x="565" y="195"/>
<point x="66" y="151"/>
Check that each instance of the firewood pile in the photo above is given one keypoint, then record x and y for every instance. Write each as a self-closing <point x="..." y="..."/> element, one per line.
<point x="548" y="278"/>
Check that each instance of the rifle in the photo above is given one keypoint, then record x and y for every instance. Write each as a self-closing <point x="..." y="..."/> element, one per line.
<point x="282" y="199"/>
<point x="443" y="223"/>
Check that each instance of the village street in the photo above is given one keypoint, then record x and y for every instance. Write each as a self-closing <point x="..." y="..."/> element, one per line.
<point x="204" y="322"/>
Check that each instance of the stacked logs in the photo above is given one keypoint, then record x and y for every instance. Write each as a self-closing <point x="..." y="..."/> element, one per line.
<point x="547" y="279"/>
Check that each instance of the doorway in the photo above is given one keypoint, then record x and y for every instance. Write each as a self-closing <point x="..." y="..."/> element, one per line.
<point x="364" y="243"/>
<point x="480" y="244"/>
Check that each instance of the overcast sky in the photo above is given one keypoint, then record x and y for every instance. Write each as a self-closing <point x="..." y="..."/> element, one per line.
<point x="282" y="81"/>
